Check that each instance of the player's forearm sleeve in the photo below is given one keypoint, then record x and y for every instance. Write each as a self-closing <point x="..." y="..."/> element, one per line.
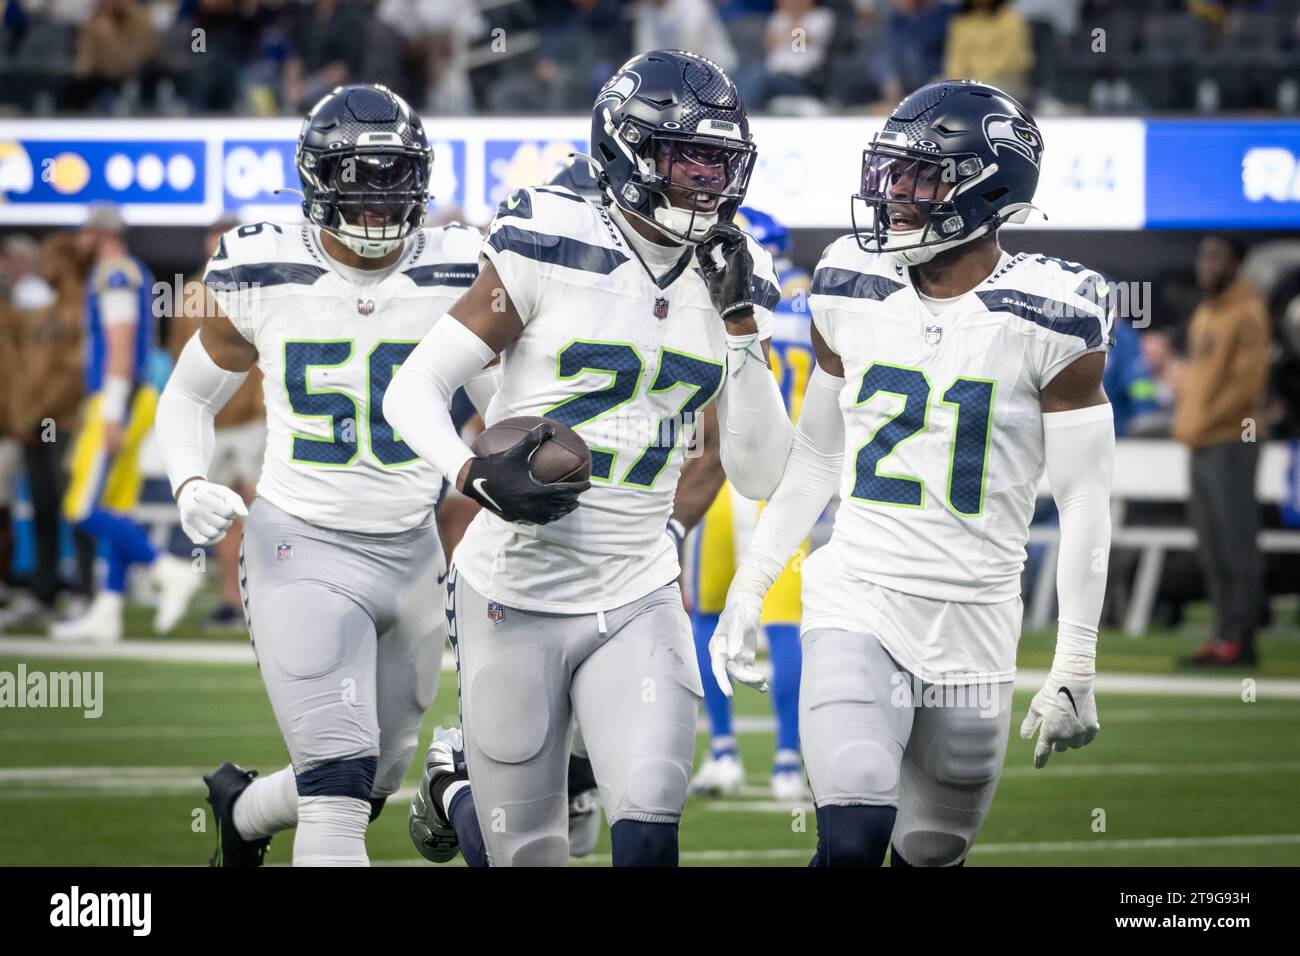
<point x="197" y="390"/>
<point x="1079" y="448"/>
<point x="811" y="475"/>
<point x="481" y="389"/>
<point x="417" y="403"/>
<point x="756" y="433"/>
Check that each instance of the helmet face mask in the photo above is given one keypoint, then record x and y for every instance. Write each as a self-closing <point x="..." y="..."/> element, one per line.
<point x="955" y="161"/>
<point x="365" y="169"/>
<point x="671" y="138"/>
<point x="696" y="178"/>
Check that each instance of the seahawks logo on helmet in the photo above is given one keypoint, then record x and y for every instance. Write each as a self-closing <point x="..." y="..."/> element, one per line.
<point x="620" y="88"/>
<point x="1011" y="132"/>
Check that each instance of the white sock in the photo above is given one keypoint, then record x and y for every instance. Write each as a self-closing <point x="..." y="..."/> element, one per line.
<point x="331" y="832"/>
<point x="269" y="805"/>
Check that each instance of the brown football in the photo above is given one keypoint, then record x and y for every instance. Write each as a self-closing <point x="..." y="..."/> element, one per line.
<point x="563" y="457"/>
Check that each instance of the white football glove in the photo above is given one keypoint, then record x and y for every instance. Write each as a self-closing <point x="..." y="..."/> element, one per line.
<point x="207" y="509"/>
<point x="735" y="641"/>
<point x="1063" y="712"/>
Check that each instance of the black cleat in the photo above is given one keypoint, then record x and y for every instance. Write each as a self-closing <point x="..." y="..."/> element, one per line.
<point x="225" y="784"/>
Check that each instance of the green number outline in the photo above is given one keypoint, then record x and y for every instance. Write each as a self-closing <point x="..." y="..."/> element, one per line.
<point x="952" y="445"/>
<point x="306" y="385"/>
<point x="925" y="422"/>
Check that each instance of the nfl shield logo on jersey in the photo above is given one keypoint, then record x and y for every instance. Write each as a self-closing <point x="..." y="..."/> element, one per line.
<point x="496" y="613"/>
<point x="283" y="552"/>
<point x="933" y="333"/>
<point x="365" y="306"/>
<point x="661" y="307"/>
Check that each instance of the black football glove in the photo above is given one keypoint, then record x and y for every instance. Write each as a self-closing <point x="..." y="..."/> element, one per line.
<point x="729" y="284"/>
<point x="502" y="484"/>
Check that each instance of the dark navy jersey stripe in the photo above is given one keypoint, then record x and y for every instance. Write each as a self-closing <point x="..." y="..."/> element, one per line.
<point x="857" y="285"/>
<point x="262" y="274"/>
<point x="562" y="193"/>
<point x="556" y="250"/>
<point x="765" y="294"/>
<point x="459" y="274"/>
<point x="1049" y="313"/>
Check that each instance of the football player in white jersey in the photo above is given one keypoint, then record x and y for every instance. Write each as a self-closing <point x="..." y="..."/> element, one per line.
<point x="949" y="375"/>
<point x="623" y="322"/>
<point x="341" y="562"/>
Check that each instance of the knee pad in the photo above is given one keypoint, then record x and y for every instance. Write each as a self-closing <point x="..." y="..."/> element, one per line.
<point x="654" y="785"/>
<point x="353" y="777"/>
<point x="638" y="843"/>
<point x="853" y="836"/>
<point x="930" y="848"/>
<point x="548" y="850"/>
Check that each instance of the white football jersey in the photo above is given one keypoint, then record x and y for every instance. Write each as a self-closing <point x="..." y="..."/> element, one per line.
<point x="943" y="446"/>
<point x="624" y="360"/>
<point x="328" y="346"/>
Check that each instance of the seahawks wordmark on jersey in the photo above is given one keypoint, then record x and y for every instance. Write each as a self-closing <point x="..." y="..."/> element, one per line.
<point x="943" y="448"/>
<point x="626" y="361"/>
<point x="328" y="345"/>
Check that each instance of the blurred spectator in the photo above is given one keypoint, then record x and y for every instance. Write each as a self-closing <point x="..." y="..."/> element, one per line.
<point x="911" y="47"/>
<point x="330" y="50"/>
<point x="1219" y="410"/>
<point x="798" y="39"/>
<point x="1050" y="22"/>
<point x="682" y="25"/>
<point x="112" y="46"/>
<point x="20" y="273"/>
<point x="240" y="442"/>
<point x="989" y="41"/>
<point x="1127" y="379"/>
<point x="581" y="43"/>
<point x="215" y="76"/>
<point x="46" y="393"/>
<point x="118" y="413"/>
<point x="437" y="34"/>
<point x="1165" y="365"/>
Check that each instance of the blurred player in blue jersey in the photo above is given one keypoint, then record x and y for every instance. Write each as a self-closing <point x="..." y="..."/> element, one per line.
<point x="723" y="536"/>
<point x="104" y="486"/>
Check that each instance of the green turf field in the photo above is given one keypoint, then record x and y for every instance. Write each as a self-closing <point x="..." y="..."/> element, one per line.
<point x="1181" y="779"/>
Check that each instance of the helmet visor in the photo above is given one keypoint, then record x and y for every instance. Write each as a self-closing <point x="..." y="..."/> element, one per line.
<point x="701" y="175"/>
<point x="902" y="188"/>
<point x="376" y="190"/>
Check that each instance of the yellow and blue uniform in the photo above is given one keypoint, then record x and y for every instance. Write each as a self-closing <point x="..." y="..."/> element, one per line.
<point x="728" y="525"/>
<point x="105" y="487"/>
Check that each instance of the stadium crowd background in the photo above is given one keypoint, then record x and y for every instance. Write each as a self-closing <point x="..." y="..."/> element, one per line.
<point x="66" y="58"/>
<point x="275" y="57"/>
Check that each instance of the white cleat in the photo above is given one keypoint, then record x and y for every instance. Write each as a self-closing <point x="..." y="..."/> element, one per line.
<point x="177" y="582"/>
<point x="719" y="776"/>
<point x="584" y="822"/>
<point x="788" y="787"/>
<point x="101" y="624"/>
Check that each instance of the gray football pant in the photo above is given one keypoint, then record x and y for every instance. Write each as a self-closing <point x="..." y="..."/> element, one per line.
<point x="629" y="677"/>
<point x="873" y="735"/>
<point x="348" y="635"/>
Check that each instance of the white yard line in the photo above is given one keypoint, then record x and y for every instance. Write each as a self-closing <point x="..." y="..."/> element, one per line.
<point x="238" y="652"/>
<point x="1067" y="846"/>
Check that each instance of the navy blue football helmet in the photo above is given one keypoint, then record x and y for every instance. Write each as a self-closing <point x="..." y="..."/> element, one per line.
<point x="576" y="174"/>
<point x="365" y="167"/>
<point x="671" y="137"/>
<point x="956" y="160"/>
